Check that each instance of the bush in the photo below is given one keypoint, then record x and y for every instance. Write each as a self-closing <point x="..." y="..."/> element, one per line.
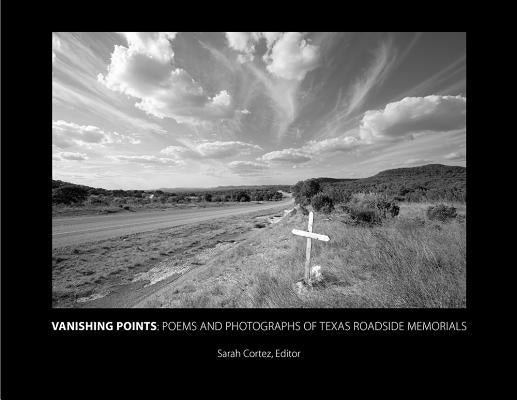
<point x="277" y="196"/>
<point x="304" y="191"/>
<point x="365" y="216"/>
<point x="441" y="212"/>
<point x="208" y="197"/>
<point x="242" y="197"/>
<point x="322" y="202"/>
<point x="69" y="194"/>
<point x="370" y="208"/>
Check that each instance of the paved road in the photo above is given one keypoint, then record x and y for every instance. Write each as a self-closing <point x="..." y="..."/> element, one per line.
<point x="75" y="230"/>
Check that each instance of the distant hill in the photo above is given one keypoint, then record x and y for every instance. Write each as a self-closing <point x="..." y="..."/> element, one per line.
<point x="334" y="180"/>
<point x="429" y="170"/>
<point x="225" y="188"/>
<point x="57" y="183"/>
<point x="425" y="183"/>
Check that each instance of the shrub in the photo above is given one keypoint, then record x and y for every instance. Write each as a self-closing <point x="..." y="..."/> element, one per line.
<point x="278" y="196"/>
<point x="441" y="212"/>
<point x="322" y="202"/>
<point x="365" y="216"/>
<point x="208" y="197"/>
<point x="370" y="208"/>
<point x="243" y="196"/>
<point x="69" y="194"/>
<point x="304" y="191"/>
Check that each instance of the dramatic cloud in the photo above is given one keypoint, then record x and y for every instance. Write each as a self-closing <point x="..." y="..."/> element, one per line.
<point x="292" y="57"/>
<point x="216" y="108"/>
<point x="65" y="155"/>
<point x="149" y="160"/>
<point x="294" y="156"/>
<point x="66" y="134"/>
<point x="211" y="150"/>
<point x="247" y="167"/>
<point x="414" y="115"/>
<point x="143" y="71"/>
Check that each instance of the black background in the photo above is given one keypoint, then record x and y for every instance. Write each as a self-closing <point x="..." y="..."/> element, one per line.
<point x="34" y="359"/>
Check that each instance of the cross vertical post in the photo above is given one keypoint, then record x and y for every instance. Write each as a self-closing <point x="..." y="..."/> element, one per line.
<point x="308" y="251"/>
<point x="309" y="235"/>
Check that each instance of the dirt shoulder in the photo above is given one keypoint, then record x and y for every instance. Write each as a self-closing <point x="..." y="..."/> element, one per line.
<point x="119" y="272"/>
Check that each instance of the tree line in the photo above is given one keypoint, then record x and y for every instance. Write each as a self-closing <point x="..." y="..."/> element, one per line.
<point x="69" y="193"/>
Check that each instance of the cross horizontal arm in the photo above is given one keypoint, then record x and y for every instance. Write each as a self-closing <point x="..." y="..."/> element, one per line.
<point x="311" y="235"/>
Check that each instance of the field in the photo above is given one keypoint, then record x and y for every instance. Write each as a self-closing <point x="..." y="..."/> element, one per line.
<point x="409" y="261"/>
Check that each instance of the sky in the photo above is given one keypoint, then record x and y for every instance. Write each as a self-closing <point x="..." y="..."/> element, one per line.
<point x="143" y="110"/>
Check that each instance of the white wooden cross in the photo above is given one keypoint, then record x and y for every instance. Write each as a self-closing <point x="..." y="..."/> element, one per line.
<point x="309" y="235"/>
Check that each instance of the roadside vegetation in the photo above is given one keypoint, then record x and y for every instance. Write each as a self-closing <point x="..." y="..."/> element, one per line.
<point x="385" y="250"/>
<point x="406" y="261"/>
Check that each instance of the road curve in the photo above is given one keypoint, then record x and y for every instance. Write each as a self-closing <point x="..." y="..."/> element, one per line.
<point x="76" y="230"/>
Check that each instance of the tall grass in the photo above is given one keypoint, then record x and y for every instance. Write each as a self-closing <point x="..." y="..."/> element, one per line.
<point x="407" y="261"/>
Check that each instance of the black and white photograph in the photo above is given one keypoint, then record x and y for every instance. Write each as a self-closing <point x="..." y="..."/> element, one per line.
<point x="259" y="170"/>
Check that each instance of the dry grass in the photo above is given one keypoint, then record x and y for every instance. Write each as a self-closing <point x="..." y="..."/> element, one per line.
<point x="408" y="261"/>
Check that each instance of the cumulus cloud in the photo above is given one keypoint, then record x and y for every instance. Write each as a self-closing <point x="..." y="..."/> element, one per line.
<point x="292" y="57"/>
<point x="311" y="149"/>
<point x="271" y="38"/>
<point x="413" y="115"/>
<point x="143" y="70"/>
<point x="214" y="150"/>
<point x="247" y="167"/>
<point x="289" y="55"/>
<point x="66" y="134"/>
<point x="65" y="155"/>
<point x="223" y="98"/>
<point x="153" y="44"/>
<point x="149" y="160"/>
<point x="454" y="156"/>
<point x="244" y="43"/>
<point x="295" y="156"/>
